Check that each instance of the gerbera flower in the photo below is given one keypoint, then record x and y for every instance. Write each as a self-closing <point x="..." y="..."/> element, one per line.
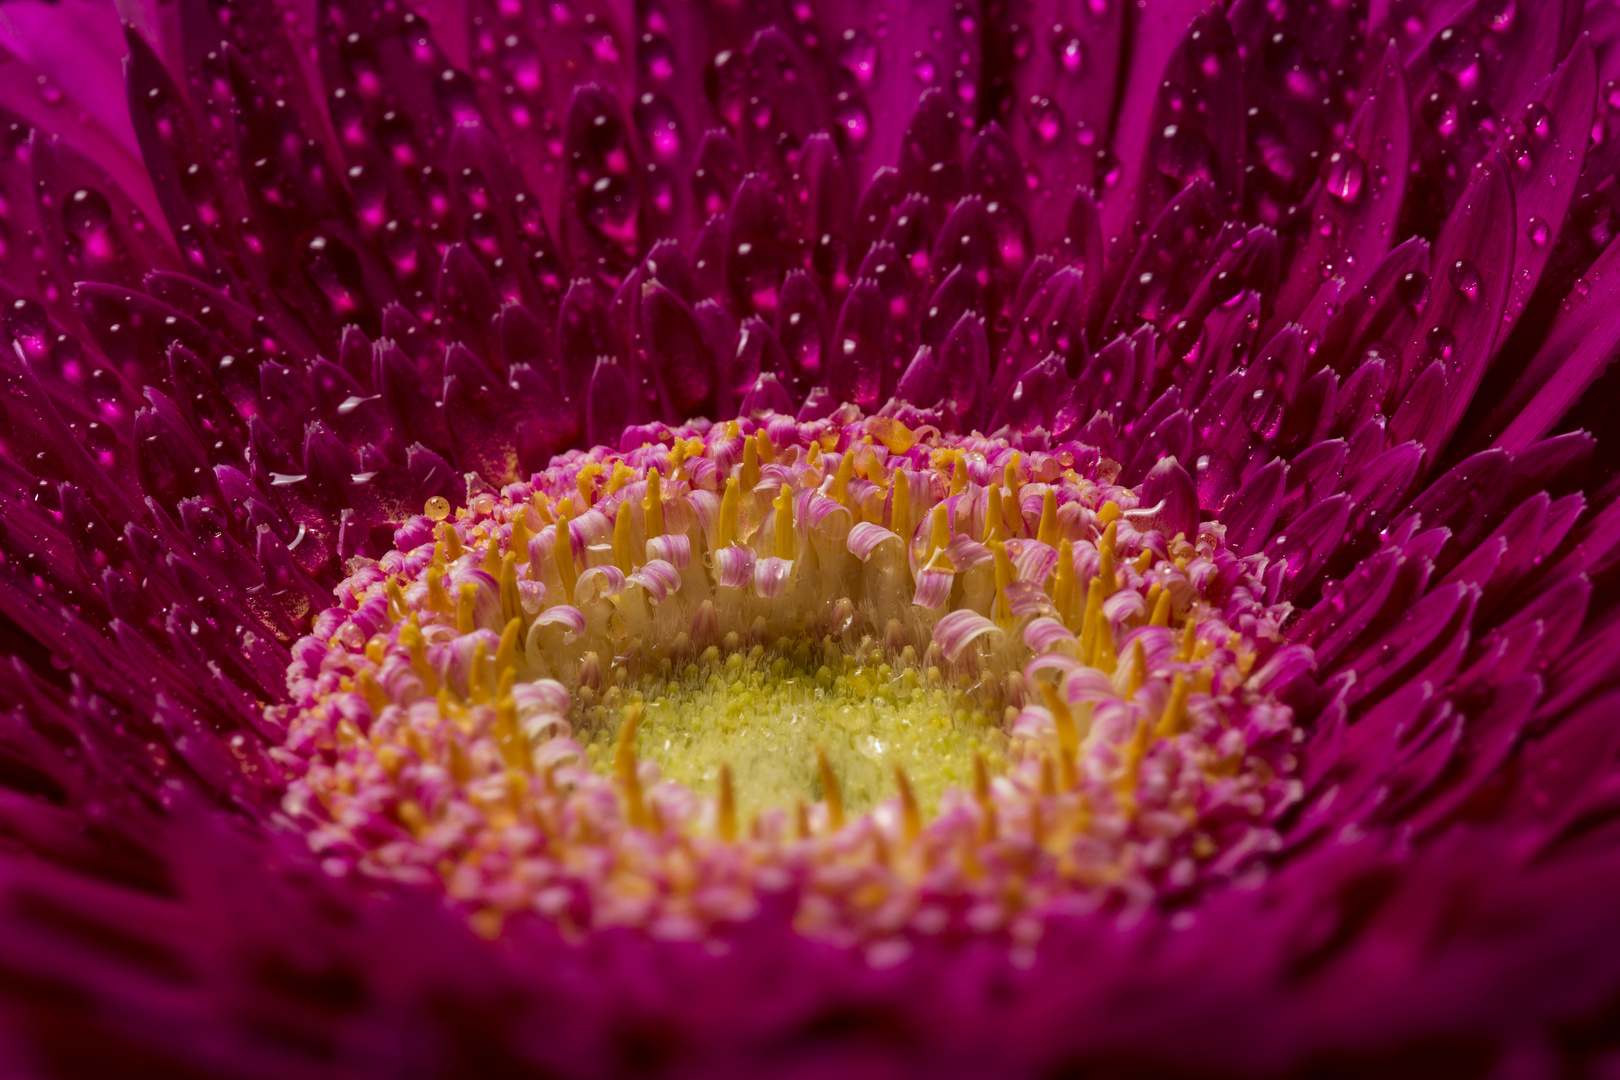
<point x="967" y="539"/>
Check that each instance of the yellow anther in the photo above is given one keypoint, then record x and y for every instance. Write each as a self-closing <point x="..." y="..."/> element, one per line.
<point x="900" y="505"/>
<point x="1105" y="659"/>
<point x="466" y="600"/>
<point x="562" y="553"/>
<point x="1049" y="786"/>
<point x="1088" y="621"/>
<point x="910" y="813"/>
<point x="727" y="533"/>
<point x="1047" y="531"/>
<point x="763" y="444"/>
<point x="624" y="763"/>
<point x="623" y="553"/>
<point x="1065" y="587"/>
<point x="959" y="475"/>
<point x="438" y="599"/>
<point x="841" y="478"/>
<point x="784" y="522"/>
<point x="542" y="506"/>
<point x="750" y="464"/>
<point x="477" y="689"/>
<point x="726" y="818"/>
<point x="829" y="790"/>
<point x="981" y="795"/>
<point x="1144" y="561"/>
<point x="1189" y="640"/>
<point x="1004" y="578"/>
<point x="1135" y="751"/>
<point x="460" y="764"/>
<point x="1109" y="512"/>
<point x="373" y="693"/>
<point x="813" y="457"/>
<point x="377" y="649"/>
<point x="491" y="562"/>
<point x="940" y="536"/>
<point x="1159" y="600"/>
<point x="437" y="508"/>
<point x="1068" y="733"/>
<point x="801" y="820"/>
<point x="410" y="636"/>
<point x="995" y="525"/>
<point x="652" y="505"/>
<point x="1105" y="560"/>
<point x="452" y="541"/>
<point x="519" y="543"/>
<point x="506" y="652"/>
<point x="1138" y="668"/>
<point x="585" y="482"/>
<point x="398" y="608"/>
<point x="1174" y="720"/>
<point x="511" y="599"/>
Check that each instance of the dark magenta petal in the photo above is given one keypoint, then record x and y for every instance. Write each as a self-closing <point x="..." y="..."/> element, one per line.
<point x="611" y="402"/>
<point x="1168" y="265"/>
<point x="682" y="363"/>
<point x="1171" y="490"/>
<point x="765" y="396"/>
<point x="1253" y="510"/>
<point x="860" y="353"/>
<point x="754" y="254"/>
<point x="1467" y="298"/>
<point x="584" y="334"/>
<point x="1421" y="417"/>
<point x="1353" y="208"/>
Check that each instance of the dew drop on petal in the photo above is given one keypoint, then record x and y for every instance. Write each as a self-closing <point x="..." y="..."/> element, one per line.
<point x="1413" y="288"/>
<point x="1441" y="342"/>
<point x="1454" y="50"/>
<point x="1464" y="277"/>
<point x="1537" y="231"/>
<point x="1346" y="171"/>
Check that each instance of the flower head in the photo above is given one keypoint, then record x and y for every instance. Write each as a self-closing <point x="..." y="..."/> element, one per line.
<point x="981" y="537"/>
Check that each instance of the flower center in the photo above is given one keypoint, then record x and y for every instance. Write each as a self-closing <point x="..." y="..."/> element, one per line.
<point x="771" y="716"/>
<point x="915" y="680"/>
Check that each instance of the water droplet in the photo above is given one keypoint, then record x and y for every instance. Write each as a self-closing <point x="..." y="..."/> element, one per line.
<point x="1454" y="50"/>
<point x="1046" y="120"/>
<point x="922" y="66"/>
<point x="1071" y="55"/>
<point x="1537" y="120"/>
<point x="858" y="56"/>
<point x="855" y="120"/>
<point x="1498" y="13"/>
<point x="1413" y="288"/>
<point x="1441" y="342"/>
<point x="1181" y="153"/>
<point x="1346" y="171"/>
<point x="1464" y="277"/>
<point x="1538" y="232"/>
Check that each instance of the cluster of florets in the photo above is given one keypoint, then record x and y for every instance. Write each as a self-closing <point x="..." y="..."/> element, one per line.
<point x="473" y="712"/>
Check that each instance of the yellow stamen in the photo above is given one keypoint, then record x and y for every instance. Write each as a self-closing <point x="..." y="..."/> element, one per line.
<point x="995" y="525"/>
<point x="1144" y="560"/>
<point x="1004" y="578"/>
<point x="1108" y="513"/>
<point x="1047" y="531"/>
<point x="767" y="449"/>
<point x="410" y="635"/>
<point x="562" y="553"/>
<point x="624" y="763"/>
<point x="466" y="597"/>
<point x="1065" y="588"/>
<point x="652" y="506"/>
<point x="585" y="482"/>
<point x="623" y="557"/>
<point x="1068" y="733"/>
<point x="784" y="522"/>
<point x="622" y="475"/>
<point x="959" y="475"/>
<point x="506" y="652"/>
<point x="727" y="816"/>
<point x="438" y="599"/>
<point x="452" y="541"/>
<point x="1158" y="599"/>
<point x="910" y="815"/>
<point x="511" y="599"/>
<point x="374" y="694"/>
<point x="1105" y="561"/>
<point x="1090" y="620"/>
<point x="491" y="563"/>
<point x="1138" y="668"/>
<point x="728" y="514"/>
<point x="1174" y="720"/>
<point x="841" y="479"/>
<point x="900" y="505"/>
<point x="829" y="790"/>
<point x="1135" y="751"/>
<point x="477" y="692"/>
<point x="398" y="607"/>
<point x="813" y="457"/>
<point x="940" y="537"/>
<point x="1189" y="640"/>
<point x="750" y="465"/>
<point x="519" y="543"/>
<point x="981" y="795"/>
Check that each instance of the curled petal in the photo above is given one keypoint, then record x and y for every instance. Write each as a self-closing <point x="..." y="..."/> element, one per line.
<point x="734" y="566"/>
<point x="599" y="581"/>
<point x="672" y="548"/>
<point x="1043" y="633"/>
<point x="771" y="576"/>
<point x="957" y="630"/>
<point x="658" y="577"/>
<point x="865" y="537"/>
<point x="933" y="589"/>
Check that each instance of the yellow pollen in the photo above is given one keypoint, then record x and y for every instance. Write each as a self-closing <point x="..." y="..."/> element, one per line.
<point x="652" y="505"/>
<point x="784" y="523"/>
<point x="585" y="482"/>
<point x="622" y="475"/>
